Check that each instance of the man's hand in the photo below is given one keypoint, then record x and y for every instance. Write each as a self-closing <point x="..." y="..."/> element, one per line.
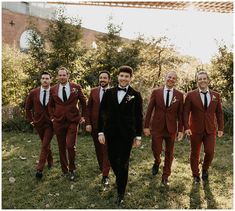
<point x="101" y="138"/>
<point x="32" y="124"/>
<point x="82" y="120"/>
<point x="180" y="136"/>
<point x="188" y="132"/>
<point x="220" y="133"/>
<point x="147" y="132"/>
<point x="136" y="143"/>
<point x="88" y="128"/>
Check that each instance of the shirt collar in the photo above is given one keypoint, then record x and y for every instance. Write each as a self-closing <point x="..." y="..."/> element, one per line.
<point x="42" y="89"/>
<point x="66" y="85"/>
<point x="165" y="88"/>
<point x="124" y="87"/>
<point x="207" y="90"/>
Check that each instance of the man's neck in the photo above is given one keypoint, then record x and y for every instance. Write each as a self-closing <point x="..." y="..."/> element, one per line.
<point x="45" y="87"/>
<point x="204" y="89"/>
<point x="168" y="87"/>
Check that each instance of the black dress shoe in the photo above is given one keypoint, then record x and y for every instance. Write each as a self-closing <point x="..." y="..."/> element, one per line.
<point x="39" y="175"/>
<point x="155" y="169"/>
<point x="71" y="175"/>
<point x="105" y="181"/>
<point x="205" y="175"/>
<point x="196" y="179"/>
<point x="120" y="199"/>
<point x="165" y="182"/>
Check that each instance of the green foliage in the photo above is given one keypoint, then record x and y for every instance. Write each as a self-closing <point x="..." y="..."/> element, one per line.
<point x="14" y="66"/>
<point x="143" y="190"/>
<point x="112" y="52"/>
<point x="222" y="72"/>
<point x="64" y="35"/>
<point x="228" y="117"/>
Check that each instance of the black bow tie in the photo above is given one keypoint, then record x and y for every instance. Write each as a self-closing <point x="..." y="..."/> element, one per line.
<point x="122" y="89"/>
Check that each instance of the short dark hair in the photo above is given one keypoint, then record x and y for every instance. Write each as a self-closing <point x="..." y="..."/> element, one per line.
<point x="62" y="68"/>
<point x="45" y="73"/>
<point x="125" y="69"/>
<point x="202" y="72"/>
<point x="105" y="71"/>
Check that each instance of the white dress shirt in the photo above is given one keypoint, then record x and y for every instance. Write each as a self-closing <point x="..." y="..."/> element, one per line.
<point x="208" y="96"/>
<point x="121" y="94"/>
<point x="170" y="94"/>
<point x="102" y="92"/>
<point x="42" y="94"/>
<point x="67" y="90"/>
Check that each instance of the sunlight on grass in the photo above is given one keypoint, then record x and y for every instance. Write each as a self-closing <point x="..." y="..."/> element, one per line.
<point x="143" y="190"/>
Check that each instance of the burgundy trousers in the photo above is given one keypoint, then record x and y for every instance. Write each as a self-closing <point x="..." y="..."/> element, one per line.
<point x="101" y="154"/>
<point x="208" y="141"/>
<point x="157" y="141"/>
<point x="45" y="133"/>
<point x="66" y="134"/>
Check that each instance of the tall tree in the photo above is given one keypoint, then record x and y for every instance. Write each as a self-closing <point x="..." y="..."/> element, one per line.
<point x="65" y="38"/>
<point x="222" y="72"/>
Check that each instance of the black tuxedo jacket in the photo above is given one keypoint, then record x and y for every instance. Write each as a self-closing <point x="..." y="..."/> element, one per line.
<point x="124" y="120"/>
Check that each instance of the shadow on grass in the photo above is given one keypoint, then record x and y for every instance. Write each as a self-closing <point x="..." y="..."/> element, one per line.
<point x="209" y="197"/>
<point x="195" y="199"/>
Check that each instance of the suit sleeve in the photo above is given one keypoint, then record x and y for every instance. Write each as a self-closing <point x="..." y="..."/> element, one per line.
<point x="82" y="100"/>
<point x="180" y="114"/>
<point x="89" y="109"/>
<point x="186" y="112"/>
<point x="51" y="106"/>
<point x="139" y="115"/>
<point x="150" y="108"/>
<point x="220" y="115"/>
<point x="29" y="107"/>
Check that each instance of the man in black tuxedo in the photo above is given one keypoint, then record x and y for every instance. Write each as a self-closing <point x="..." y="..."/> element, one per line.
<point x="120" y="126"/>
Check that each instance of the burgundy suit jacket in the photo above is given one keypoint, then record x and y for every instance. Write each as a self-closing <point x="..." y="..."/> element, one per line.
<point x="197" y="118"/>
<point x="158" y="116"/>
<point x="61" y="111"/>
<point x="35" y="111"/>
<point x="93" y="108"/>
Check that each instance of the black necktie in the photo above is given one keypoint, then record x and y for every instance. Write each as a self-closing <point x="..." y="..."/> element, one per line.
<point x="64" y="94"/>
<point x="104" y="90"/>
<point x="44" y="98"/>
<point x="167" y="98"/>
<point x="205" y="100"/>
<point x="121" y="89"/>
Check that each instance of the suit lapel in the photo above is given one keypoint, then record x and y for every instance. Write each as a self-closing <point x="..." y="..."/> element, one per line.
<point x="129" y="92"/>
<point x="198" y="97"/>
<point x="38" y="95"/>
<point x="97" y="94"/>
<point x="161" y="98"/>
<point x="174" y="97"/>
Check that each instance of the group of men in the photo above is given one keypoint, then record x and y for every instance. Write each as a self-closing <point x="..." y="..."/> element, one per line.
<point x="114" y="117"/>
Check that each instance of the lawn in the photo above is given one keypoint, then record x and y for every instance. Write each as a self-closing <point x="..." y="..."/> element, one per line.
<point x="20" y="153"/>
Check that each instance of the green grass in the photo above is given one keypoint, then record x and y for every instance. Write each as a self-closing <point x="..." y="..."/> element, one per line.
<point x="143" y="189"/>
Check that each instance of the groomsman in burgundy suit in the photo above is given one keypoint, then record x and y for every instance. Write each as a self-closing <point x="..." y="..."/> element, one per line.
<point x="37" y="115"/>
<point x="202" y="116"/>
<point x="166" y="109"/>
<point x="94" y="100"/>
<point x="65" y="115"/>
<point x="120" y="126"/>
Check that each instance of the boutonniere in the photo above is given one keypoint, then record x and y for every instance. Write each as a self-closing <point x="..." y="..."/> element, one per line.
<point x="129" y="98"/>
<point x="75" y="90"/>
<point x="214" y="98"/>
<point x="173" y="100"/>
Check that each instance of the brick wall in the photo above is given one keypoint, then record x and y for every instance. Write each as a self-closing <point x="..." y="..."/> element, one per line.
<point x="14" y="24"/>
